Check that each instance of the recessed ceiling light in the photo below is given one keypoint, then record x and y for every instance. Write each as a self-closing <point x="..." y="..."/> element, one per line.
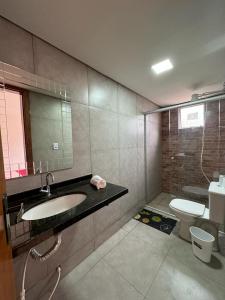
<point x="162" y="66"/>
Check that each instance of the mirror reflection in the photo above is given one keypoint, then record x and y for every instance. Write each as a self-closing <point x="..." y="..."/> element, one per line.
<point x="36" y="131"/>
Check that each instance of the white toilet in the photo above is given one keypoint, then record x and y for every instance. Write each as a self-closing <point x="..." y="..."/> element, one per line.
<point x="191" y="213"/>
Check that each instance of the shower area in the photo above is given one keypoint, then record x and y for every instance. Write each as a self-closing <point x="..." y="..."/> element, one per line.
<point x="192" y="146"/>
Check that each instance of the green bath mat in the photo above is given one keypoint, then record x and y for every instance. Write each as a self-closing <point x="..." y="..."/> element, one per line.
<point x="156" y="221"/>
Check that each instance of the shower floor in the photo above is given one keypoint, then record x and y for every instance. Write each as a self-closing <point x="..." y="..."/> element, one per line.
<point x="161" y="203"/>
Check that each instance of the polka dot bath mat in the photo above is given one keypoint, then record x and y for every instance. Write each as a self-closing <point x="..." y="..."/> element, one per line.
<point x="156" y="220"/>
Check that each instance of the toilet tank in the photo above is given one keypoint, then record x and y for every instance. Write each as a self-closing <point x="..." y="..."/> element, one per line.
<point x="216" y="203"/>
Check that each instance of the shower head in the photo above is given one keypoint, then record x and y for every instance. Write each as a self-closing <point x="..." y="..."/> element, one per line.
<point x="194" y="97"/>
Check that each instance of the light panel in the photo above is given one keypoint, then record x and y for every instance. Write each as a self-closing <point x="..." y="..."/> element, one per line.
<point x="162" y="66"/>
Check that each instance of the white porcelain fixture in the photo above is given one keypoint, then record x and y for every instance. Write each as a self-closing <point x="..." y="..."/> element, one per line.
<point x="190" y="213"/>
<point x="54" y="207"/>
<point x="217" y="203"/>
<point x="202" y="243"/>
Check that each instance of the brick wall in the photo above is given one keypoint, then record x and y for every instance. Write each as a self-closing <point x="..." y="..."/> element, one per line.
<point x="181" y="151"/>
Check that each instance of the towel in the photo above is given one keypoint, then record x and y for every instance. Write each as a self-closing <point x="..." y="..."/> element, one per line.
<point x="98" y="181"/>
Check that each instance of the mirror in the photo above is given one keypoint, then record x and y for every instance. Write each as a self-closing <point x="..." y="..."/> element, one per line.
<point x="36" y="126"/>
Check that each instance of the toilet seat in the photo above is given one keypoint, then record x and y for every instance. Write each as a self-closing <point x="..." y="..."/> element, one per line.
<point x="187" y="207"/>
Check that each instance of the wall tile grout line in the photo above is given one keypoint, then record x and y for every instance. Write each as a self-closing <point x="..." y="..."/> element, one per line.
<point x="89" y="117"/>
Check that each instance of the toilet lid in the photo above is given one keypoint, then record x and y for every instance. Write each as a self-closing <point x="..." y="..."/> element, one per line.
<point x="189" y="207"/>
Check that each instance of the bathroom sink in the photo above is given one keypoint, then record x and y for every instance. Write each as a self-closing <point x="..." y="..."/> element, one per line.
<point x="54" y="207"/>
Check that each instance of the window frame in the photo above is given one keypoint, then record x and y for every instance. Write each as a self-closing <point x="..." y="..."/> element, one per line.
<point x="26" y="124"/>
<point x="194" y="126"/>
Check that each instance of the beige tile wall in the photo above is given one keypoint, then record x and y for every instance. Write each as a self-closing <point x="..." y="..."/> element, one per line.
<point x="108" y="139"/>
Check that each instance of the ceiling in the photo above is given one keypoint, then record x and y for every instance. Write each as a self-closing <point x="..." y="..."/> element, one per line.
<point x="123" y="38"/>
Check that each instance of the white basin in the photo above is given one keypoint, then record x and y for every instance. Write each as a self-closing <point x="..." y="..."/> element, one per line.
<point x="53" y="207"/>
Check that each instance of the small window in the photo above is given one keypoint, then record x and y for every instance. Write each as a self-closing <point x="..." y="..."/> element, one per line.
<point x="192" y="116"/>
<point x="13" y="135"/>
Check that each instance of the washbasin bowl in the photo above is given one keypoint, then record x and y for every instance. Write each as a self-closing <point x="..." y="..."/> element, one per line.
<point x="53" y="207"/>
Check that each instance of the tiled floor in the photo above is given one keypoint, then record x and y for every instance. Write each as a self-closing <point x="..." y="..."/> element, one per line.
<point x="139" y="262"/>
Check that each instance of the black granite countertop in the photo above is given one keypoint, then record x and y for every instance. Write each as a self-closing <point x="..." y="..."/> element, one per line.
<point x="42" y="228"/>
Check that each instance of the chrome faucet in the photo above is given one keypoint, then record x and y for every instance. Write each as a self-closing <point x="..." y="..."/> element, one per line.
<point x="20" y="213"/>
<point x="47" y="189"/>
